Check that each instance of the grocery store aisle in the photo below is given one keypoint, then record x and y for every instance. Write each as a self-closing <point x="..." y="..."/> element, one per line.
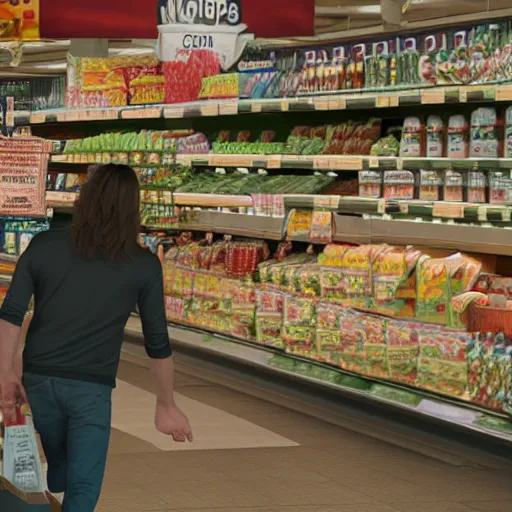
<point x="254" y="456"/>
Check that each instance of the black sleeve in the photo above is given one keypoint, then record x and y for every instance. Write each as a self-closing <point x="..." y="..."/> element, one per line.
<point x="20" y="292"/>
<point x="152" y="313"/>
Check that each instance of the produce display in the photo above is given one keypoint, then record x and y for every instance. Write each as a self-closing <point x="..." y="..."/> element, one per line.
<point x="350" y="138"/>
<point x="380" y="311"/>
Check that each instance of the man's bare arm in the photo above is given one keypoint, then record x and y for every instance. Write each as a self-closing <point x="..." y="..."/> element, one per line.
<point x="9" y="346"/>
<point x="168" y="418"/>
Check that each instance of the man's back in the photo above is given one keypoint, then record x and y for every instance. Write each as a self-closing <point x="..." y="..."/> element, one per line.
<point x="81" y="307"/>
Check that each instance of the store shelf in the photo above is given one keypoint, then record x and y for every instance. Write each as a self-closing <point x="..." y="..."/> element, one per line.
<point x="270" y="228"/>
<point x="479" y="239"/>
<point x="417" y="402"/>
<point x="342" y="162"/>
<point x="339" y="100"/>
<point x="357" y="230"/>
<point x="316" y="162"/>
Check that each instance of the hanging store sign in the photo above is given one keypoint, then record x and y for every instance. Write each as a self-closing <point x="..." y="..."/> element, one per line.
<point x="135" y="19"/>
<point x="213" y="25"/>
<point x="19" y="20"/>
<point x="23" y="167"/>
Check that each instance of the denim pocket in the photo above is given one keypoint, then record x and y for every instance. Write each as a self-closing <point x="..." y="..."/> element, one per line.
<point x="33" y="381"/>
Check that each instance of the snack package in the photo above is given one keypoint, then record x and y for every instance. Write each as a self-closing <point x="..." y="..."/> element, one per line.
<point x="328" y="333"/>
<point x="391" y="269"/>
<point x="269" y="317"/>
<point x="352" y="356"/>
<point x="430" y="185"/>
<point x="370" y="184"/>
<point x="243" y="308"/>
<point x="433" y="290"/>
<point x="299" y="324"/>
<point x="403" y="350"/>
<point x="399" y="185"/>
<point x="443" y="364"/>
<point x="500" y="187"/>
<point x="453" y="186"/>
<point x="304" y="280"/>
<point x="375" y="346"/>
<point x="299" y="223"/>
<point x="476" y="187"/>
<point x="322" y="229"/>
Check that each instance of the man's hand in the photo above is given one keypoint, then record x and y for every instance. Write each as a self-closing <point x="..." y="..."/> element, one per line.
<point x="12" y="393"/>
<point x="171" y="421"/>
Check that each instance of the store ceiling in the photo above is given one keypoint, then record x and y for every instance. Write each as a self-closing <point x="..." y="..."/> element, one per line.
<point x="334" y="19"/>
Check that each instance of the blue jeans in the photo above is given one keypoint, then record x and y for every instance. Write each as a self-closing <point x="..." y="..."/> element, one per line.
<point x="73" y="419"/>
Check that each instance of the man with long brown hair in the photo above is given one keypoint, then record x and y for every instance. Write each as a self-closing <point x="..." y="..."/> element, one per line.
<point x="86" y="281"/>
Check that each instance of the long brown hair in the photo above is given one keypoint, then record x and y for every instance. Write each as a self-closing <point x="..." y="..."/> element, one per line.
<point x="106" y="216"/>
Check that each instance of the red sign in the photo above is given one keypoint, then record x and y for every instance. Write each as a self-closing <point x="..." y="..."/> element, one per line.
<point x="137" y="19"/>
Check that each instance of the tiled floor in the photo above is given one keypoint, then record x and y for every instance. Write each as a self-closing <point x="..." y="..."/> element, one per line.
<point x="253" y="456"/>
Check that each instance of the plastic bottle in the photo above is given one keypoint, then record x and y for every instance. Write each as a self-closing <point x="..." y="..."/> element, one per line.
<point x="413" y="138"/>
<point x="458" y="134"/>
<point x="435" y="137"/>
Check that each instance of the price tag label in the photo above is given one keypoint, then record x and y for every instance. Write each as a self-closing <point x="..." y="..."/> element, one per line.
<point x="174" y="112"/>
<point x="228" y="108"/>
<point x="382" y="101"/>
<point x="347" y="163"/>
<point x="399" y="164"/>
<point x="504" y="93"/>
<point x="274" y="162"/>
<point x="332" y="104"/>
<point x="321" y="162"/>
<point x="184" y="159"/>
<point x="342" y="104"/>
<point x="37" y="118"/>
<point x="256" y="107"/>
<point x="404" y="207"/>
<point x="394" y="101"/>
<point x="143" y="113"/>
<point x="321" y="104"/>
<point x="61" y="197"/>
<point x="210" y="109"/>
<point x="482" y="213"/>
<point x="285" y="106"/>
<point x="152" y="113"/>
<point x="331" y="202"/>
<point x="433" y="97"/>
<point x="373" y="162"/>
<point x="381" y="206"/>
<point x="94" y="115"/>
<point x="110" y="114"/>
<point x="506" y="215"/>
<point x="463" y="95"/>
<point x="448" y="210"/>
<point x="242" y="161"/>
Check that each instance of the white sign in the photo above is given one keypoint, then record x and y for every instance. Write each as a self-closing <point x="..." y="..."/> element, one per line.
<point x="200" y="12"/>
<point x="202" y="25"/>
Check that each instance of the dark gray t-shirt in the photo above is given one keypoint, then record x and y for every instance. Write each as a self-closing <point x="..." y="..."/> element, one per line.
<point x="81" y="308"/>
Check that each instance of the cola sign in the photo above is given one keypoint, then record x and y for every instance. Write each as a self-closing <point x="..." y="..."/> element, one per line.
<point x="206" y="12"/>
<point x="213" y="25"/>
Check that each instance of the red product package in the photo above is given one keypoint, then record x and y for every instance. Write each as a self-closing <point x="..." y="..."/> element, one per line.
<point x="183" y="75"/>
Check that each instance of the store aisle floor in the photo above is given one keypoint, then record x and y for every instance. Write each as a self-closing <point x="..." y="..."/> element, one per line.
<point x="254" y="456"/>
